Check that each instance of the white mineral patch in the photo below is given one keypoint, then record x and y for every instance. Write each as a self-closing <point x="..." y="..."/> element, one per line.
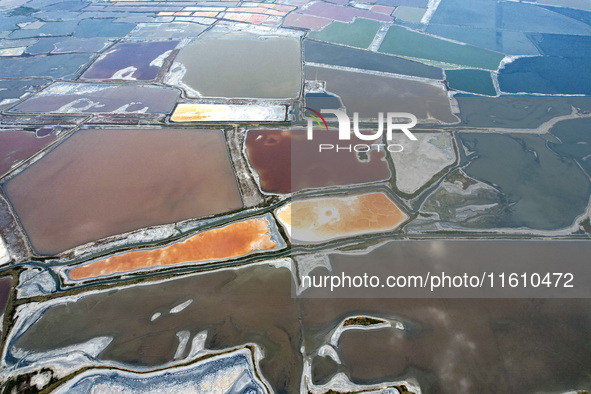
<point x="329" y="351"/>
<point x="336" y="335"/>
<point x="4" y="255"/>
<point x="35" y="282"/>
<point x="281" y="263"/>
<point x="285" y="224"/>
<point x="307" y="263"/>
<point x="422" y="159"/>
<point x="64" y="88"/>
<point x="181" y="307"/>
<point x="159" y="61"/>
<point x="41" y="379"/>
<point x="175" y="78"/>
<point x="126" y="73"/>
<point x="257" y="30"/>
<point x="12" y="51"/>
<point x="124" y="109"/>
<point x="221" y="381"/>
<point x="67" y="357"/>
<point x="431" y="8"/>
<point x="183" y="337"/>
<point x="155" y="316"/>
<point x="457" y="188"/>
<point x="32" y="25"/>
<point x="198" y="344"/>
<point x="341" y="383"/>
<point x="507" y="60"/>
<point x="224" y="380"/>
<point x="76" y="107"/>
<point x="140" y="236"/>
<point x="8" y="101"/>
<point x="105" y="54"/>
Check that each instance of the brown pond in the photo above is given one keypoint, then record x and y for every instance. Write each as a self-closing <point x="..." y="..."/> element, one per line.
<point x="475" y="346"/>
<point x="104" y="182"/>
<point x="286" y="161"/>
<point x="253" y="304"/>
<point x="242" y="65"/>
<point x="449" y="345"/>
<point x="16" y="146"/>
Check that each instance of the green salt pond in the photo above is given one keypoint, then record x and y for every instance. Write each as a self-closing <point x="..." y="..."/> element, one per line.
<point x="338" y="55"/>
<point x="473" y="81"/>
<point x="359" y="33"/>
<point x="404" y="42"/>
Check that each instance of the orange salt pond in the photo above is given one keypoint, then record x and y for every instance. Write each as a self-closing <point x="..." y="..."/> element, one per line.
<point x="321" y="219"/>
<point x="228" y="113"/>
<point x="234" y="240"/>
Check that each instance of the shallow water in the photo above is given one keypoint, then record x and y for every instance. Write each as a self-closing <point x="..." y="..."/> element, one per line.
<point x="66" y="97"/>
<point x="241" y="65"/>
<point x="285" y="161"/>
<point x="515" y="112"/>
<point x="131" y="60"/>
<point x="104" y="182"/>
<point x="359" y="33"/>
<point x="235" y="307"/>
<point x="540" y="189"/>
<point x="16" y="146"/>
<point x="474" y="81"/>
<point x="371" y="94"/>
<point x="449" y="345"/>
<point x="55" y="66"/>
<point x="575" y="141"/>
<point x="468" y="346"/>
<point x="403" y="42"/>
<point x="547" y="74"/>
<point x="338" y="55"/>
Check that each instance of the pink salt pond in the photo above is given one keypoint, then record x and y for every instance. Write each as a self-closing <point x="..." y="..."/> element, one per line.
<point x="100" y="183"/>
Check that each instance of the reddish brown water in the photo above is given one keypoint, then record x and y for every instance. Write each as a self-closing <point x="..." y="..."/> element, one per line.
<point x="16" y="146"/>
<point x="286" y="161"/>
<point x="104" y="182"/>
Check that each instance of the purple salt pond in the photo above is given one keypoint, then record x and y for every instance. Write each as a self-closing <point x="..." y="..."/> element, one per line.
<point x="94" y="98"/>
<point x="131" y="60"/>
<point x="16" y="146"/>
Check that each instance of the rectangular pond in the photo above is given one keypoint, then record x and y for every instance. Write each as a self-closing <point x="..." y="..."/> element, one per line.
<point x="99" y="183"/>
